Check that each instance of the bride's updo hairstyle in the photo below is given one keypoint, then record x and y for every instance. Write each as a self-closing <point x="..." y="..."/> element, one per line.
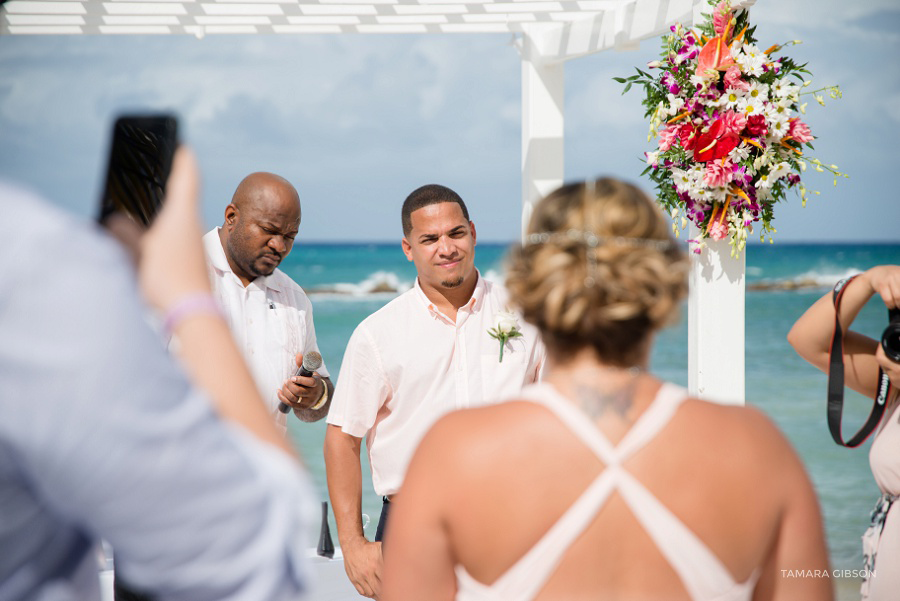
<point x="598" y="268"/>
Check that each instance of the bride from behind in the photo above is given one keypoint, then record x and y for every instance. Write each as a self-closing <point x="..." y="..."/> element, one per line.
<point x="603" y="482"/>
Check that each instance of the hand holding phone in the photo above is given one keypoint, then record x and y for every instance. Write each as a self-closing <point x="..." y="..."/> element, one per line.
<point x="140" y="160"/>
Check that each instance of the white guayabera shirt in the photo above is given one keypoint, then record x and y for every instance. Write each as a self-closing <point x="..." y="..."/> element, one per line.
<point x="271" y="320"/>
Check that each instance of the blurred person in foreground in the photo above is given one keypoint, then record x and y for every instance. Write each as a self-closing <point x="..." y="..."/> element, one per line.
<point x="197" y="492"/>
<point x="862" y="357"/>
<point x="603" y="481"/>
<point x="433" y="349"/>
<point x="268" y="313"/>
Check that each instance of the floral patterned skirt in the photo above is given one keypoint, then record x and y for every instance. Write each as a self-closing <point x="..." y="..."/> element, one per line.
<point x="871" y="540"/>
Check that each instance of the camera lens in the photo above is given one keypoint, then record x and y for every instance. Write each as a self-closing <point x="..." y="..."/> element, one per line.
<point x="890" y="340"/>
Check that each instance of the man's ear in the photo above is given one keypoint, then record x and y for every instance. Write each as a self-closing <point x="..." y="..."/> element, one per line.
<point x="231" y="216"/>
<point x="407" y="249"/>
<point x="472" y="229"/>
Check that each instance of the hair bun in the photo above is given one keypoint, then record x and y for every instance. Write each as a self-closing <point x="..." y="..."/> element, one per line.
<point x="598" y="268"/>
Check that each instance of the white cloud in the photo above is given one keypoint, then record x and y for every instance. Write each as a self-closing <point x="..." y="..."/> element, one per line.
<point x="357" y="118"/>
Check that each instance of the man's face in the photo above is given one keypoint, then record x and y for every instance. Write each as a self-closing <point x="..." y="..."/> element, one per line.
<point x="441" y="244"/>
<point x="261" y="233"/>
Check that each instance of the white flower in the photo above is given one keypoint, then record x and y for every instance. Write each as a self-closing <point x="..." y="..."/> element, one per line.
<point x="676" y="103"/>
<point x="751" y="60"/>
<point x="505" y="322"/>
<point x="702" y="82"/>
<point x="778" y="111"/>
<point x="754" y="101"/>
<point x="741" y="152"/>
<point x="782" y="89"/>
<point x="652" y="157"/>
<point x="764" y="181"/>
<point x="732" y="98"/>
<point x="762" y="160"/>
<point x="682" y="179"/>
<point x="777" y="130"/>
<point x="758" y="92"/>
<point x="779" y="171"/>
<point x="506" y="326"/>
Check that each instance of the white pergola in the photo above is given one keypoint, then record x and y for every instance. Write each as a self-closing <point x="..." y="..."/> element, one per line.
<point x="548" y="33"/>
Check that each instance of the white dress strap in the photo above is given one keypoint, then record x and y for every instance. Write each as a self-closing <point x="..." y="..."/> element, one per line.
<point x="702" y="573"/>
<point x="526" y="578"/>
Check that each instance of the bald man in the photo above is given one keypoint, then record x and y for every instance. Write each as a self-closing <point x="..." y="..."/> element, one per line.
<point x="269" y="314"/>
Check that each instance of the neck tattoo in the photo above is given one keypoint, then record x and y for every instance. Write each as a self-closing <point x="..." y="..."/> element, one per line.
<point x="595" y="400"/>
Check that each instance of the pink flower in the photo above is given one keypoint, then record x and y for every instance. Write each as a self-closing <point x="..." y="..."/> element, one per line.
<point x="667" y="137"/>
<point x="799" y="131"/>
<point x="733" y="79"/>
<point x="756" y="125"/>
<point x="717" y="174"/>
<point x="718" y="230"/>
<point x="721" y="16"/>
<point x="734" y="122"/>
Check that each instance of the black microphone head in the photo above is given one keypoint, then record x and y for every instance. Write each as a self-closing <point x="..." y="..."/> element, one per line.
<point x="312" y="361"/>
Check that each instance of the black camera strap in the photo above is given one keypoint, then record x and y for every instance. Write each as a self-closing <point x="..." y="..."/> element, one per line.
<point x="836" y="383"/>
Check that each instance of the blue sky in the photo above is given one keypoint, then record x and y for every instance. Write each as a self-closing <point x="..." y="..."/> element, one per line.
<point x="358" y="121"/>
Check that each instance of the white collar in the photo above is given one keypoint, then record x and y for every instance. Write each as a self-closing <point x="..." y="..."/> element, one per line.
<point x="212" y="244"/>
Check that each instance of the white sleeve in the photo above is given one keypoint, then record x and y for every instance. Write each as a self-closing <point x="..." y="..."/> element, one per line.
<point x="362" y="387"/>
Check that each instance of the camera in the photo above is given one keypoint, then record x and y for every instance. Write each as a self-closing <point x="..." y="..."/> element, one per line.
<point x="890" y="340"/>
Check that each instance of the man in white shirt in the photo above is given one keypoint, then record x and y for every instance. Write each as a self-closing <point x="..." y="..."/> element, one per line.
<point x="268" y="313"/>
<point x="427" y="352"/>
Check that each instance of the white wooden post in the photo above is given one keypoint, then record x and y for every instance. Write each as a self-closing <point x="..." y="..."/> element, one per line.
<point x="716" y="323"/>
<point x="543" y="87"/>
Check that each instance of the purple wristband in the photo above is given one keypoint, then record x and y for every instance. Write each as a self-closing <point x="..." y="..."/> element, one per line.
<point x="188" y="306"/>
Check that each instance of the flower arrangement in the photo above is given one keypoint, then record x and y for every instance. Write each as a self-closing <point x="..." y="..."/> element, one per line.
<point x="730" y="140"/>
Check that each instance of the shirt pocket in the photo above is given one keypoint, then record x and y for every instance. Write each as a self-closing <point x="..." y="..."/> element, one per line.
<point x="503" y="379"/>
<point x="283" y="335"/>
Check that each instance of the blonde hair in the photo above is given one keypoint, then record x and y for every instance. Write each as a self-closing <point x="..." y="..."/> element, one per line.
<point x="598" y="269"/>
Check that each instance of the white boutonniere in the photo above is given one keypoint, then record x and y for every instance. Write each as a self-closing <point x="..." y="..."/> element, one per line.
<point x="506" y="326"/>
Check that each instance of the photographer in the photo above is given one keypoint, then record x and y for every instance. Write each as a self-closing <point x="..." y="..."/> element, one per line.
<point x="863" y="357"/>
<point x="178" y="467"/>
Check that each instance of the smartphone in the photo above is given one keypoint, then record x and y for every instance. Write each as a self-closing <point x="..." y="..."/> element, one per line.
<point x="140" y="160"/>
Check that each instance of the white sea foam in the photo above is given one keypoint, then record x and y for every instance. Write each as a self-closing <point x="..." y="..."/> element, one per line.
<point x="378" y="283"/>
<point x="814" y="278"/>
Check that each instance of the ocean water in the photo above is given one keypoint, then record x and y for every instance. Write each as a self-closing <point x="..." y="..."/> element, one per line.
<point x="347" y="282"/>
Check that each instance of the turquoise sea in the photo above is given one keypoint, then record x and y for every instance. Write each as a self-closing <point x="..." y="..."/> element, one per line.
<point x="347" y="282"/>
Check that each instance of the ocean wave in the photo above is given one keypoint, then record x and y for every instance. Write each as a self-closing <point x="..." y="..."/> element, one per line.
<point x="378" y="284"/>
<point x="810" y="279"/>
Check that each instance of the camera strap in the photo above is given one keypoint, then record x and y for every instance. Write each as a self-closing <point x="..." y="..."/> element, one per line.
<point x="836" y="383"/>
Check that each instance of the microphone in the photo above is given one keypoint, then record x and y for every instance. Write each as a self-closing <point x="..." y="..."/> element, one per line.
<point x="311" y="362"/>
